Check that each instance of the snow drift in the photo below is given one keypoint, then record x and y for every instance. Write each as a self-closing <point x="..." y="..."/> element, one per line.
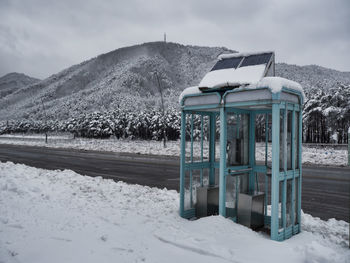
<point x="61" y="216"/>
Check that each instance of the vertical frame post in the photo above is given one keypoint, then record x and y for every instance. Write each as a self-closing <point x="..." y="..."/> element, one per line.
<point x="266" y="157"/>
<point x="252" y="151"/>
<point x="182" y="163"/>
<point x="275" y="170"/>
<point x="202" y="133"/>
<point x="300" y="165"/>
<point x="222" y="179"/>
<point x="285" y="156"/>
<point x="212" y="123"/>
<point x="191" y="172"/>
<point x="293" y="167"/>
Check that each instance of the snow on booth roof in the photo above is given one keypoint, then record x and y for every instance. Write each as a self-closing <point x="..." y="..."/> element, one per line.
<point x="244" y="71"/>
<point x="274" y="84"/>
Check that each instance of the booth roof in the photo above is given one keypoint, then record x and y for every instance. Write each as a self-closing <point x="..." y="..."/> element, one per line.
<point x="275" y="85"/>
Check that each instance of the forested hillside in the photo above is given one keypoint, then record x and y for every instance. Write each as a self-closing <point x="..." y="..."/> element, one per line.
<point x="117" y="93"/>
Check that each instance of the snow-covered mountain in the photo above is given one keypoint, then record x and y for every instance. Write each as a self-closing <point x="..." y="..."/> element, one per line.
<point x="313" y="77"/>
<point x="127" y="79"/>
<point x="11" y="82"/>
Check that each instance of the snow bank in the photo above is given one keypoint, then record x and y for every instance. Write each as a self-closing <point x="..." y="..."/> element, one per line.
<point x="233" y="77"/>
<point x="61" y="216"/>
<point x="324" y="156"/>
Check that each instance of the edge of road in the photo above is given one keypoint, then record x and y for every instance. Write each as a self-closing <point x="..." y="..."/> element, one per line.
<point x="169" y="160"/>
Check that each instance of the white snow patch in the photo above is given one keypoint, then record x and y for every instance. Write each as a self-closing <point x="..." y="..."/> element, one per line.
<point x="275" y="84"/>
<point x="331" y="109"/>
<point x="231" y="77"/>
<point x="61" y="216"/>
<point x="188" y="91"/>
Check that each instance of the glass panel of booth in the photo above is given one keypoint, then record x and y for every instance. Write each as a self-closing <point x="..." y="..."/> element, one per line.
<point x="194" y="179"/>
<point x="197" y="153"/>
<point x="286" y="127"/>
<point x="289" y="203"/>
<point x="296" y="140"/>
<point x="295" y="200"/>
<point x="197" y="137"/>
<point x="235" y="184"/>
<point x="217" y="138"/>
<point x="280" y="206"/>
<point x="289" y="139"/>
<point x="281" y="166"/>
<point x="237" y="139"/>
<point x="260" y="137"/>
<point x="269" y="141"/>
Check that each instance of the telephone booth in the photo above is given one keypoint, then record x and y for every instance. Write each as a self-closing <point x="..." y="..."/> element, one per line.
<point x="241" y="132"/>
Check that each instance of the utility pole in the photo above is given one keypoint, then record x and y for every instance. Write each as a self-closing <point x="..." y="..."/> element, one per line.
<point x="164" y="37"/>
<point x="45" y="120"/>
<point x="163" y="111"/>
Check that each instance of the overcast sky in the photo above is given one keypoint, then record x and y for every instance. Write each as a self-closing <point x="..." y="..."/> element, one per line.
<point x="42" y="37"/>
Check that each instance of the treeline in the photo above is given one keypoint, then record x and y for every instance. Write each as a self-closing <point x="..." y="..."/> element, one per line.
<point x="326" y="115"/>
<point x="326" y="118"/>
<point x="151" y="125"/>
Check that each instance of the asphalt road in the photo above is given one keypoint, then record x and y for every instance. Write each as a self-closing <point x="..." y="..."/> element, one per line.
<point x="325" y="190"/>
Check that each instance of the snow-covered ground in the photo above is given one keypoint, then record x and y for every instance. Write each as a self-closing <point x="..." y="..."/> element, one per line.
<point x="36" y="136"/>
<point x="323" y="156"/>
<point x="61" y="216"/>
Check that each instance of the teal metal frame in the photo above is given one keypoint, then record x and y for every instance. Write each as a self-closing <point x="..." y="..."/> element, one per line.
<point x="275" y="175"/>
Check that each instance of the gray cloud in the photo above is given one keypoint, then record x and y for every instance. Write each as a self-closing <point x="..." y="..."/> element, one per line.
<point x="41" y="37"/>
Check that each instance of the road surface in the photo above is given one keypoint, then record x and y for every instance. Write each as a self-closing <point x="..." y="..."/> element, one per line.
<point x="325" y="190"/>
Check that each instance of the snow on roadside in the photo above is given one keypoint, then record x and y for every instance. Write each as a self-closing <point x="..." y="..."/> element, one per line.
<point x="312" y="155"/>
<point x="327" y="156"/>
<point x="36" y="136"/>
<point x="61" y="216"/>
<point x="322" y="156"/>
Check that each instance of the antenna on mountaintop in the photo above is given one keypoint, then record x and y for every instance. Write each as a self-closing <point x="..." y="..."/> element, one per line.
<point x="164" y="37"/>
